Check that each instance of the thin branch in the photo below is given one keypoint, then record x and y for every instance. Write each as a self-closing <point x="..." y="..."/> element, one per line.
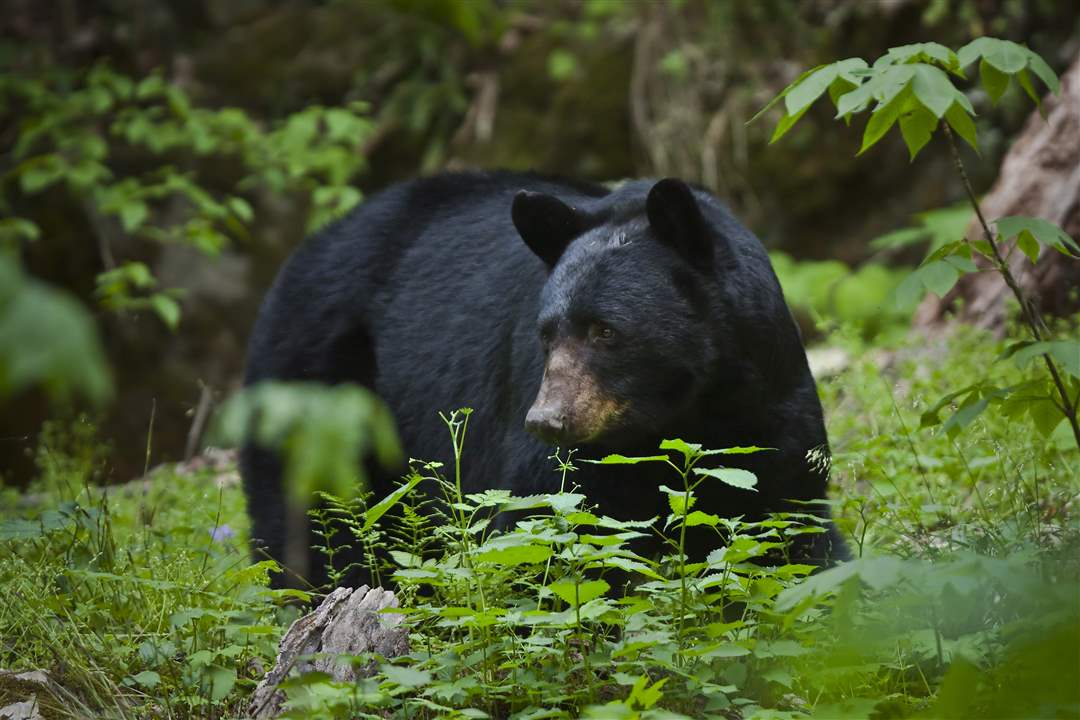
<point x="1027" y="311"/>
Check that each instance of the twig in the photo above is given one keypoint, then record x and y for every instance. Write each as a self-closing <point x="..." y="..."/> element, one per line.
<point x="1027" y="311"/>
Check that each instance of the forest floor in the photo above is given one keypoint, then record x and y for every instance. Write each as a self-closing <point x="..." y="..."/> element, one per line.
<point x="139" y="600"/>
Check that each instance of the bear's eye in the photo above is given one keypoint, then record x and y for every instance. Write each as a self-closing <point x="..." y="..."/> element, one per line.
<point x="601" y="333"/>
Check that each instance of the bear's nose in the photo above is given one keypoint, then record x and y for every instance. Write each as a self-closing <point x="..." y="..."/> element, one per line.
<point x="547" y="423"/>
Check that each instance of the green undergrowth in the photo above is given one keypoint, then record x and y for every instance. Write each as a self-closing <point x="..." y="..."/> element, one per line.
<point x="963" y="600"/>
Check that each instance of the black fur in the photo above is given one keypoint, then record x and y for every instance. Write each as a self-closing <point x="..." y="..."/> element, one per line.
<point x="427" y="294"/>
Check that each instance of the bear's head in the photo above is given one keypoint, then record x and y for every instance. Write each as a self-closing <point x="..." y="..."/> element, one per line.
<point x="627" y="315"/>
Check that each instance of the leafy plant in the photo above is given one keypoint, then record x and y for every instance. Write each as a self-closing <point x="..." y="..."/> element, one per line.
<point x="912" y="86"/>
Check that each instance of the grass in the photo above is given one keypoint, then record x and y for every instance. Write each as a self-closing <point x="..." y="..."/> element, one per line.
<point x="139" y="600"/>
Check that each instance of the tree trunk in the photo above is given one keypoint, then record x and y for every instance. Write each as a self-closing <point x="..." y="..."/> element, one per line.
<point x="1039" y="177"/>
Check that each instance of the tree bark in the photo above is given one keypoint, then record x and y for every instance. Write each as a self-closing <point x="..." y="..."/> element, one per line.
<point x="1040" y="177"/>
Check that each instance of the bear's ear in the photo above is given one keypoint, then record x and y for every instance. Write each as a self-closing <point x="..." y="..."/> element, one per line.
<point x="545" y="223"/>
<point x="677" y="220"/>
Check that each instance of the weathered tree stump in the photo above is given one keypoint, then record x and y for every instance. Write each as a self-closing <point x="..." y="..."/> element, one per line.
<point x="1040" y="177"/>
<point x="347" y="622"/>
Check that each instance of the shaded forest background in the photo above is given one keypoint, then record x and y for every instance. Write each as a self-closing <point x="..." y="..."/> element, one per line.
<point x="590" y="89"/>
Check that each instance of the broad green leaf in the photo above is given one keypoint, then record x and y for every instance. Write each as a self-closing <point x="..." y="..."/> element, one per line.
<point x="739" y="450"/>
<point x="966" y="414"/>
<point x="376" y="511"/>
<point x="1065" y="352"/>
<point x="1006" y="56"/>
<point x="1028" y="245"/>
<point x="917" y="127"/>
<point x="933" y="89"/>
<point x="1024" y="79"/>
<point x="167" y="309"/>
<point x="15" y="229"/>
<point x="616" y="459"/>
<point x="1045" y="73"/>
<point x="809" y="89"/>
<point x="701" y="518"/>
<point x="221" y="680"/>
<point x="1047" y="233"/>
<point x="995" y="81"/>
<point x="883" y="118"/>
<point x="147" y="678"/>
<point x="688" y="450"/>
<point x="783" y="93"/>
<point x="786" y="123"/>
<point x="405" y="676"/>
<point x="735" y="477"/>
<point x="574" y="594"/>
<point x="521" y="555"/>
<point x="132" y="215"/>
<point x="938" y="277"/>
<point x="961" y="122"/>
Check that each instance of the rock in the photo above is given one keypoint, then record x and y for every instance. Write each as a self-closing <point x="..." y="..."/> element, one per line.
<point x="347" y="622"/>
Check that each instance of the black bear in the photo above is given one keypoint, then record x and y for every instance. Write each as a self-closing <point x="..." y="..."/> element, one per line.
<point x="566" y="314"/>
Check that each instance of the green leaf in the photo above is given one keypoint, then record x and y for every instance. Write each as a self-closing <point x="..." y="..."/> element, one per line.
<point x="520" y="555"/>
<point x="689" y="450"/>
<point x="701" y="518"/>
<point x="1045" y="73"/>
<point x="221" y="680"/>
<point x="1065" y="352"/>
<point x="960" y="121"/>
<point x="15" y="229"/>
<point x="735" y="477"/>
<point x="786" y="123"/>
<point x="933" y="89"/>
<point x="883" y="118"/>
<point x="938" y="277"/>
<point x="1046" y="233"/>
<point x="147" y="678"/>
<point x="809" y="89"/>
<point x="917" y="127"/>
<point x="783" y="93"/>
<point x="575" y="594"/>
<point x="995" y="81"/>
<point x="405" y="676"/>
<point x="376" y="511"/>
<point x="616" y="459"/>
<point x="323" y="430"/>
<point x="1028" y="245"/>
<point x="167" y="309"/>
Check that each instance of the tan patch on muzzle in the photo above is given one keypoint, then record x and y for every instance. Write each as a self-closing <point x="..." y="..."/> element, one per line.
<point x="571" y="407"/>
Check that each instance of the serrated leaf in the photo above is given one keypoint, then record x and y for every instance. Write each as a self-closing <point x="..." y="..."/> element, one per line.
<point x="735" y="477"/>
<point x="521" y="555"/>
<point x="1065" y="352"/>
<point x="574" y="594"/>
<point x="783" y="93"/>
<point x="701" y="518"/>
<point x="961" y="122"/>
<point x="938" y="277"/>
<point x="616" y="459"/>
<point x="995" y="81"/>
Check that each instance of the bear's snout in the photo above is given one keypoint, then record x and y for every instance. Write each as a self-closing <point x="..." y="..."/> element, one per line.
<point x="547" y="423"/>
<point x="570" y="407"/>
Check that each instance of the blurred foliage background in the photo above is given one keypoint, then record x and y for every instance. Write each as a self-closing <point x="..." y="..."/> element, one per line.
<point x="160" y="158"/>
